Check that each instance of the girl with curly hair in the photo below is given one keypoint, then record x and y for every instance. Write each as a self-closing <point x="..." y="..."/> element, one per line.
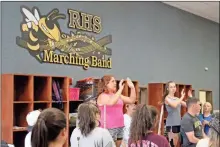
<point x="144" y="120"/>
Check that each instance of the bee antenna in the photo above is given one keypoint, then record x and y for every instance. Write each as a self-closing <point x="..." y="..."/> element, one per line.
<point x="54" y="11"/>
<point x="58" y="16"/>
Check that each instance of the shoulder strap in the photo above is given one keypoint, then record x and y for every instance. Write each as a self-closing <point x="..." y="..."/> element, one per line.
<point x="104" y="116"/>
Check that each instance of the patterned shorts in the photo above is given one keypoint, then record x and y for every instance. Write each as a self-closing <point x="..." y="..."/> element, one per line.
<point x="117" y="133"/>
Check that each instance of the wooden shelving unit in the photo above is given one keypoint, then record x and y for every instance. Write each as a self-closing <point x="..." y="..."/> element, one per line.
<point x="155" y="95"/>
<point x="22" y="94"/>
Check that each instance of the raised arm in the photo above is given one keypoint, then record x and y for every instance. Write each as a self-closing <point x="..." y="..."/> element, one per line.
<point x="189" y="96"/>
<point x="174" y="104"/>
<point x="132" y="98"/>
<point x="104" y="99"/>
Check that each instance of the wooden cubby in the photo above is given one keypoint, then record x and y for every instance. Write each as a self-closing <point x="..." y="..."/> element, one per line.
<point x="41" y="105"/>
<point x="19" y="138"/>
<point x="20" y="112"/>
<point x="21" y="94"/>
<point x="155" y="97"/>
<point x="73" y="105"/>
<point x="42" y="86"/>
<point x="23" y="88"/>
<point x="64" y="85"/>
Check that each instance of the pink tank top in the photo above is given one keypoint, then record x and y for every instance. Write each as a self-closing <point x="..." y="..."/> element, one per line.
<point x="114" y="115"/>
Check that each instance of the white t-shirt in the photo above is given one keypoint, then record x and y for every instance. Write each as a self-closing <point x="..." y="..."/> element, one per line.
<point x="99" y="137"/>
<point x="31" y="119"/>
<point x="27" y="141"/>
<point x="203" y="143"/>
<point x="127" y="123"/>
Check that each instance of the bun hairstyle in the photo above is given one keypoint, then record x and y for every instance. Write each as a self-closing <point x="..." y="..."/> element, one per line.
<point x="103" y="84"/>
<point x="49" y="124"/>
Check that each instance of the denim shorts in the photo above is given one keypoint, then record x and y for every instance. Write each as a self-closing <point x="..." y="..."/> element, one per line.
<point x="117" y="133"/>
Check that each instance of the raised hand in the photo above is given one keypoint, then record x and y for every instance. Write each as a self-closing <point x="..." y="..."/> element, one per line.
<point x="182" y="93"/>
<point x="121" y="84"/>
<point x="130" y="84"/>
<point x="189" y="93"/>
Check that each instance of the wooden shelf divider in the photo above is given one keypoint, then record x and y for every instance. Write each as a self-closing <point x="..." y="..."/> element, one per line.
<point x="21" y="94"/>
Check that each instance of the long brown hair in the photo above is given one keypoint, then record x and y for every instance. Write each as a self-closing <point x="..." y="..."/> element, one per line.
<point x="143" y="120"/>
<point x="87" y="117"/>
<point x="102" y="86"/>
<point x="166" y="92"/>
<point x="49" y="124"/>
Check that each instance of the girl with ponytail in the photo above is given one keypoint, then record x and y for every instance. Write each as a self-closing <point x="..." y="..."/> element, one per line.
<point x="173" y="106"/>
<point x="50" y="129"/>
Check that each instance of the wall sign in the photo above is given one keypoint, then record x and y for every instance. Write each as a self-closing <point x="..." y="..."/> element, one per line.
<point x="43" y="37"/>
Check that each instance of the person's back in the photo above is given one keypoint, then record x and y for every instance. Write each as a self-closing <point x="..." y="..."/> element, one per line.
<point x="50" y="129"/>
<point x="98" y="137"/>
<point x="143" y="122"/>
<point x="151" y="140"/>
<point x="88" y="134"/>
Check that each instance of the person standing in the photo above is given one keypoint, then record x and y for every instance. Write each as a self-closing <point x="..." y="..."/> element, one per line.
<point x="110" y="102"/>
<point x="206" y="117"/>
<point x="130" y="109"/>
<point x="173" y="106"/>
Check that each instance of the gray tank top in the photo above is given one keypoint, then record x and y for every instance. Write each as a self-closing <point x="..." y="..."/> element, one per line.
<point x="174" y="116"/>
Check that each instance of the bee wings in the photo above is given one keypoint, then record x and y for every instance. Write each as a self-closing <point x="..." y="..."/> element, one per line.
<point x="30" y="17"/>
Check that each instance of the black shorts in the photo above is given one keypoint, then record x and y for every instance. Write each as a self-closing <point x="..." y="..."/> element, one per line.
<point x="175" y="129"/>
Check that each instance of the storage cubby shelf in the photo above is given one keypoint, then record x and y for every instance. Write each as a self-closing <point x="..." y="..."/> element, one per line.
<point x="22" y="94"/>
